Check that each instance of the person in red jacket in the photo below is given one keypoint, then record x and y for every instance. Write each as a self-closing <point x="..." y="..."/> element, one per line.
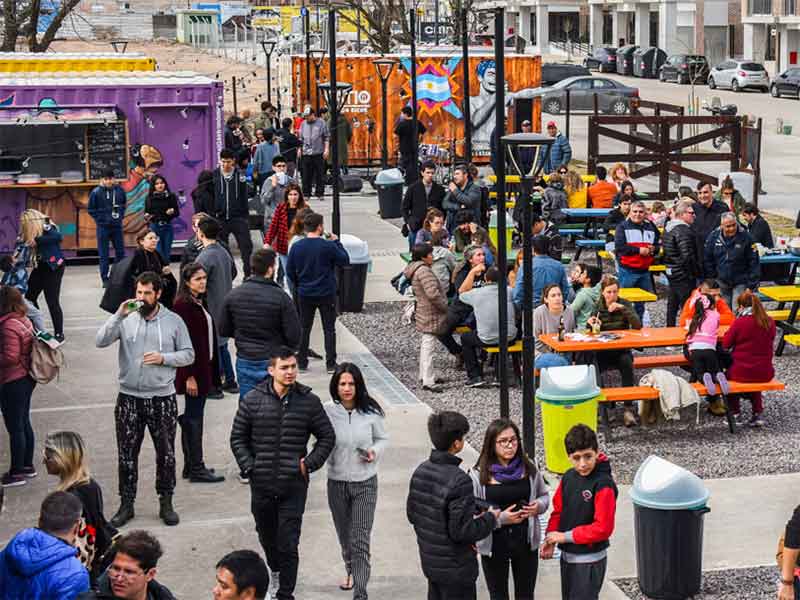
<point x="707" y="287"/>
<point x="277" y="236"/>
<point x="582" y="520"/>
<point x="750" y="340"/>
<point x="16" y="385"/>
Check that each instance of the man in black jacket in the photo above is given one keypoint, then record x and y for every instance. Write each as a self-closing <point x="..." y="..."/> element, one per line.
<point x="757" y="226"/>
<point x="230" y="205"/>
<point x="681" y="258"/>
<point x="441" y="507"/>
<point x="548" y="229"/>
<point x="707" y="214"/>
<point x="261" y="318"/>
<point x="270" y="434"/>
<point x="421" y="195"/>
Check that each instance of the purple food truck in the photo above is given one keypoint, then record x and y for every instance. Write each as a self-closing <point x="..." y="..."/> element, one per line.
<point x="59" y="132"/>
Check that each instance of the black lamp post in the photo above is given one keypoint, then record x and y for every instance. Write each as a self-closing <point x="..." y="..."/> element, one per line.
<point x="465" y="70"/>
<point x="318" y="55"/>
<point x="512" y="148"/>
<point x="268" y="46"/>
<point x="384" y="67"/>
<point x="335" y="93"/>
<point x="307" y="31"/>
<point x="412" y="25"/>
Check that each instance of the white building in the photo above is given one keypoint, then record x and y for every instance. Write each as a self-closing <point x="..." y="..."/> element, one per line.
<point x="772" y="32"/>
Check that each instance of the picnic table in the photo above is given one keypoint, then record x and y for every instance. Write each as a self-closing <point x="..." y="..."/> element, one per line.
<point x="510" y="257"/>
<point x="637" y="295"/>
<point x="786" y="258"/>
<point x="784" y="294"/>
<point x="647" y="337"/>
<point x="594" y="217"/>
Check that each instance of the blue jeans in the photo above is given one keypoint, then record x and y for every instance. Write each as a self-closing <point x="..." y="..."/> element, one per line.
<point x="165" y="235"/>
<point x="113" y="234"/>
<point x="630" y="278"/>
<point x="550" y="359"/>
<point x="249" y="373"/>
<point x="225" y="364"/>
<point x="412" y="239"/>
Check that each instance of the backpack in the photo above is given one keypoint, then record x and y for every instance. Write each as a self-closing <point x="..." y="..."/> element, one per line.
<point x="46" y="358"/>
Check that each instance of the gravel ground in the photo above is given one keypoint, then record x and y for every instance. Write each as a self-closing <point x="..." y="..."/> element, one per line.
<point x="756" y="583"/>
<point x="706" y="448"/>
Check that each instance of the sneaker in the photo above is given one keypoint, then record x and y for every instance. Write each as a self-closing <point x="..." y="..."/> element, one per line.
<point x="331" y="368"/>
<point x="231" y="387"/>
<point x="476" y="382"/>
<point x="738" y="420"/>
<point x="435" y="388"/>
<point x="243" y="478"/>
<point x="314" y="354"/>
<point x="274" y="584"/>
<point x="756" y="421"/>
<point x="628" y="418"/>
<point x="59" y="338"/>
<point x="12" y="480"/>
<point x="215" y="394"/>
<point x="28" y="472"/>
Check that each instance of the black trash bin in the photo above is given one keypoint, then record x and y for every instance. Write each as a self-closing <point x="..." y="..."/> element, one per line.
<point x="669" y="510"/>
<point x="389" y="184"/>
<point x="352" y="279"/>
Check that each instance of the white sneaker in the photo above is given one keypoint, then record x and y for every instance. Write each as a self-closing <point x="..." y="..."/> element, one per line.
<point x="274" y="584"/>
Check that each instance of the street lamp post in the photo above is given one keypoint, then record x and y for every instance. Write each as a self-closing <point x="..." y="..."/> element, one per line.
<point x="335" y="94"/>
<point x="384" y="66"/>
<point x="307" y="31"/>
<point x="511" y="148"/>
<point x="318" y="55"/>
<point x="412" y="25"/>
<point x="268" y="46"/>
<point x="465" y="67"/>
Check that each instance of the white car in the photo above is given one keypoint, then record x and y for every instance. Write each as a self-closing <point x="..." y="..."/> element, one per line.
<point x="739" y="75"/>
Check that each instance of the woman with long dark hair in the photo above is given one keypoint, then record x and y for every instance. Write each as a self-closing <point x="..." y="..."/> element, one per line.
<point x="199" y="378"/>
<point x="16" y="385"/>
<point x="65" y="456"/>
<point x="147" y="258"/>
<point x="203" y="193"/>
<point x="277" y="235"/>
<point x="352" y="471"/>
<point x="505" y="477"/>
<point x="160" y="208"/>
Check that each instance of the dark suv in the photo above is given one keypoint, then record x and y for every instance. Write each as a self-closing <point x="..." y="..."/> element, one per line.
<point x="685" y="68"/>
<point x="552" y="73"/>
<point x="602" y="59"/>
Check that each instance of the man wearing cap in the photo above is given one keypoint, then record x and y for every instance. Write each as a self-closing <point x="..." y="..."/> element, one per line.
<point x="560" y="151"/>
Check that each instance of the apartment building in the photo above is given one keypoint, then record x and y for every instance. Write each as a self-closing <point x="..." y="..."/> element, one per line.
<point x="772" y="31"/>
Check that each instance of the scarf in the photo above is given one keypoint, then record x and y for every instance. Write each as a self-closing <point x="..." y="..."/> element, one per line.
<point x="506" y="474"/>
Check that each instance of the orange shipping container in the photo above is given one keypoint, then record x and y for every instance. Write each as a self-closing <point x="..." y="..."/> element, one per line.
<point x="440" y="96"/>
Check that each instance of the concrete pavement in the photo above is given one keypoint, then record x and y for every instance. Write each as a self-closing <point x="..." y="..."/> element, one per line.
<point x="747" y="514"/>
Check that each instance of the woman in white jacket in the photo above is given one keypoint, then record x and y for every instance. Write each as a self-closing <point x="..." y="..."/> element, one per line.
<point x="352" y="471"/>
<point x="505" y="477"/>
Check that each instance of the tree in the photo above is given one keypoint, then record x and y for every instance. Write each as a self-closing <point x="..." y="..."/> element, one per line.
<point x="383" y="22"/>
<point x="21" y="19"/>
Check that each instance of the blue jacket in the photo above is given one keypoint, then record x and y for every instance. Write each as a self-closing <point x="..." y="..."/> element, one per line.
<point x="560" y="154"/>
<point x="17" y="276"/>
<point x="104" y="203"/>
<point x="732" y="261"/>
<point x="48" y="247"/>
<point x="311" y="266"/>
<point x="546" y="270"/>
<point x="262" y="161"/>
<point x="37" y="566"/>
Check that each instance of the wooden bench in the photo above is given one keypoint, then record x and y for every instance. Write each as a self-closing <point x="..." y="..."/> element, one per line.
<point x="596" y="245"/>
<point x="463" y="329"/>
<point x="655" y="361"/>
<point x="792" y="338"/>
<point x="779" y="315"/>
<point x="514" y="350"/>
<point x="640" y="392"/>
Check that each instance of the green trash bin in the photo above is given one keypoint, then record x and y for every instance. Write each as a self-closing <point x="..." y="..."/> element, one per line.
<point x="493" y="230"/>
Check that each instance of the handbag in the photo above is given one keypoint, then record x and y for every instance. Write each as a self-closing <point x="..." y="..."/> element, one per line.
<point x="46" y="357"/>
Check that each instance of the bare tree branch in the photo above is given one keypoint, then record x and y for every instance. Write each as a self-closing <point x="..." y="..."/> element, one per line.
<point x="49" y="35"/>
<point x="21" y="18"/>
<point x="379" y="21"/>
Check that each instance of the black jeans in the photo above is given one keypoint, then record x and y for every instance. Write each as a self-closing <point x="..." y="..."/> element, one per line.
<point x="457" y="313"/>
<point x="312" y="167"/>
<point x="307" y="307"/>
<point x="405" y="164"/>
<point x="194" y="407"/>
<point x="44" y="279"/>
<point x="679" y="292"/>
<point x="437" y="591"/>
<point x="241" y="231"/>
<point x="470" y="346"/>
<point x="15" y="403"/>
<point x="524" y="565"/>
<point x="582" y="581"/>
<point x="279" y="519"/>
<point x="622" y="361"/>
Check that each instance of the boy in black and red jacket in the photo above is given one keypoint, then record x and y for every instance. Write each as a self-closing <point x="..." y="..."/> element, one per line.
<point x="582" y="520"/>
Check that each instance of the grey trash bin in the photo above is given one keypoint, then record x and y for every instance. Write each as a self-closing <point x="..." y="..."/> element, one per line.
<point x="353" y="277"/>
<point x="389" y="184"/>
<point x="669" y="509"/>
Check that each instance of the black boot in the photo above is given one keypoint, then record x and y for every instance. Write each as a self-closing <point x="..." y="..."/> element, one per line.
<point x="187" y="455"/>
<point x="124" y="514"/>
<point x="166" y="512"/>
<point x="199" y="473"/>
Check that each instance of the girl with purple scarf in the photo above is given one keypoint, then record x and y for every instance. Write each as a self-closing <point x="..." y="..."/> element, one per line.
<point x="505" y="477"/>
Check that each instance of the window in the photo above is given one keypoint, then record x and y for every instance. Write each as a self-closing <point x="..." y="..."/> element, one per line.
<point x="581" y="84"/>
<point x="789" y="7"/>
<point x="603" y="84"/>
<point x="752" y="67"/>
<point x="759" y="7"/>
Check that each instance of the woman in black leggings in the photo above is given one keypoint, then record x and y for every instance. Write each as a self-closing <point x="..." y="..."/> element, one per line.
<point x="48" y="265"/>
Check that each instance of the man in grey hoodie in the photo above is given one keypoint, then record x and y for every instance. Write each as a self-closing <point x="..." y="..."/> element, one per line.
<point x="153" y="343"/>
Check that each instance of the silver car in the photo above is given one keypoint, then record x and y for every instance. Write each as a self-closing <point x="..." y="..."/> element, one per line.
<point x="739" y="75"/>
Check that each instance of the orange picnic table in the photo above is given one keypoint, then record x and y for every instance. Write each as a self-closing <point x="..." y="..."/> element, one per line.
<point x="647" y="337"/>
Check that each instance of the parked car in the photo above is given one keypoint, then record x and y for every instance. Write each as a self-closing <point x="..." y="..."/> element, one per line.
<point x="602" y="59"/>
<point x="739" y="75"/>
<point x="685" y="68"/>
<point x="552" y="73"/>
<point x="647" y="60"/>
<point x="786" y="84"/>
<point x="613" y="97"/>
<point x="625" y="59"/>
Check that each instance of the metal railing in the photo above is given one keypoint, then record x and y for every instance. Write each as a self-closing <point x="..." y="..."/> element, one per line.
<point x="573" y="47"/>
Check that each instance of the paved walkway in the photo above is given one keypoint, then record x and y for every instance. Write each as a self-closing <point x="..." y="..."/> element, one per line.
<point x="747" y="514"/>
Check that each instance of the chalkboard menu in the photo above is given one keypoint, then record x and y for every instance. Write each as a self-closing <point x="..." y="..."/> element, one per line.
<point x="108" y="149"/>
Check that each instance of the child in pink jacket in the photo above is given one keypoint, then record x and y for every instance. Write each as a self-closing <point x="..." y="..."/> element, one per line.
<point x="702" y="345"/>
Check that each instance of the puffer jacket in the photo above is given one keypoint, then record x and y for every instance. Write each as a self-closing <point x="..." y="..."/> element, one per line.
<point x="261" y="318"/>
<point x="555" y="201"/>
<point x="38" y="566"/>
<point x="270" y="435"/>
<point x="560" y="154"/>
<point x="431" y="313"/>
<point x="732" y="261"/>
<point x="680" y="252"/>
<point x="16" y="340"/>
<point x="441" y="508"/>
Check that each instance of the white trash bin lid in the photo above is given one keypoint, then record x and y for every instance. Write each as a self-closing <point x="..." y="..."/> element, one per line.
<point x="568" y="384"/>
<point x="663" y="485"/>
<point x="357" y="249"/>
<point x="389" y="177"/>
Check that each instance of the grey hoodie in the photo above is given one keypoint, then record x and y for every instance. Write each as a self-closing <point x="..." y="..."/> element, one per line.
<point x="354" y="429"/>
<point x="165" y="333"/>
<point x="444" y="263"/>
